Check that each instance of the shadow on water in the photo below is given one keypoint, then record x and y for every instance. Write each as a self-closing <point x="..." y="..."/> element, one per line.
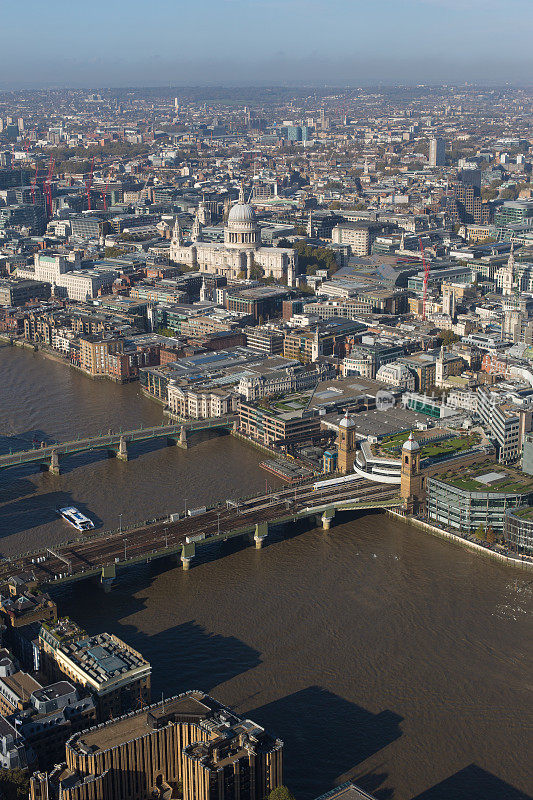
<point x="20" y="487"/>
<point x="372" y="782"/>
<point x="185" y="656"/>
<point x="349" y="734"/>
<point x="473" y="783"/>
<point x="28" y="440"/>
<point x="31" y="512"/>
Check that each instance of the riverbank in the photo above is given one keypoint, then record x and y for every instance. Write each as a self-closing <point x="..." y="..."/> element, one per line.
<point x="418" y="523"/>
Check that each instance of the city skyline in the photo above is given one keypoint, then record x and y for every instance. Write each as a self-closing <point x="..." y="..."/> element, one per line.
<point x="267" y="42"/>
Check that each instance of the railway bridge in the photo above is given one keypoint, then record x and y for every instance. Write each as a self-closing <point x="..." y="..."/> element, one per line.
<point x="103" y="555"/>
<point x="116" y="443"/>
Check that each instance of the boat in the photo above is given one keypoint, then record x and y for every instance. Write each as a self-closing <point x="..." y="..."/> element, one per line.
<point x="74" y="517"/>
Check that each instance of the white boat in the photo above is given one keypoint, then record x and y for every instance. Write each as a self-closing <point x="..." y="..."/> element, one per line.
<point x="74" y="517"/>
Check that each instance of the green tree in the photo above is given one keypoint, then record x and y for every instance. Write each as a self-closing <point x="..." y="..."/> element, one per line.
<point x="14" y="784"/>
<point x="256" y="272"/>
<point x="480" y="534"/>
<point x="448" y="337"/>
<point x="281" y="793"/>
<point x="113" y="252"/>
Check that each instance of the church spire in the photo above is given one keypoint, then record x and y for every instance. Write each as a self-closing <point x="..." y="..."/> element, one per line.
<point x="196" y="229"/>
<point x="511" y="261"/>
<point x="241" y="194"/>
<point x="177" y="237"/>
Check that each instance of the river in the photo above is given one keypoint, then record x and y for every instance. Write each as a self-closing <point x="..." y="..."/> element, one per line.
<point x="376" y="652"/>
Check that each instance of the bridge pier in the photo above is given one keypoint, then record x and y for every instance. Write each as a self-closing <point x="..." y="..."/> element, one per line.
<point x="54" y="463"/>
<point x="261" y="533"/>
<point x="327" y="516"/>
<point x="182" y="441"/>
<point x="122" y="452"/>
<point x="107" y="578"/>
<point x="188" y="551"/>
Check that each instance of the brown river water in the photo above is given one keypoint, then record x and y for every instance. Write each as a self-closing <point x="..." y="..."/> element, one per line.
<point x="376" y="652"/>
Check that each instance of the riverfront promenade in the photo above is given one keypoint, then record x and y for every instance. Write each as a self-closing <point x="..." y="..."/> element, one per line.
<point x="105" y="554"/>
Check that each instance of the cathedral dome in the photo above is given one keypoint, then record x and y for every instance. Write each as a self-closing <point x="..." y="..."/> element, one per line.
<point x="241" y="212"/>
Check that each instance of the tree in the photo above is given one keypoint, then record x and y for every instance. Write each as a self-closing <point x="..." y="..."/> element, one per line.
<point x="448" y="337"/>
<point x="15" y="784"/>
<point x="489" y="535"/>
<point x="113" y="252"/>
<point x="256" y="272"/>
<point x="511" y="193"/>
<point x="480" y="534"/>
<point x="281" y="793"/>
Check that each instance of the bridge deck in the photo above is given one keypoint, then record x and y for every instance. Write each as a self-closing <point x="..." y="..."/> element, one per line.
<point x="85" y="557"/>
<point x="111" y="440"/>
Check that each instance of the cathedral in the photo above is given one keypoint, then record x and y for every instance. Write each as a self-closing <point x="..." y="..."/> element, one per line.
<point x="240" y="252"/>
<point x="515" y="278"/>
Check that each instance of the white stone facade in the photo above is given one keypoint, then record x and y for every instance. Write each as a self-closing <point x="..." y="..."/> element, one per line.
<point x="239" y="253"/>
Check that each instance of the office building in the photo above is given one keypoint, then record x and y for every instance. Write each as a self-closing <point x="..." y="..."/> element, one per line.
<point x="273" y="423"/>
<point x="260" y="303"/>
<point x="190" y="740"/>
<point x="265" y="340"/>
<point x="507" y="423"/>
<point x="358" y="235"/>
<point x="468" y="498"/>
<point x="18" y="292"/>
<point x="518" y="530"/>
<point x="437" y="152"/>
<point x="112" y="671"/>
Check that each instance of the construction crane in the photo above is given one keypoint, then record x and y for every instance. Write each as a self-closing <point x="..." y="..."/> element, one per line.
<point x="89" y="183"/>
<point x="426" y="276"/>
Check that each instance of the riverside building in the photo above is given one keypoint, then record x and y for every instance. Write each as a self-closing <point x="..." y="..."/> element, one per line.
<point x="467" y="499"/>
<point x="190" y="739"/>
<point x="115" y="674"/>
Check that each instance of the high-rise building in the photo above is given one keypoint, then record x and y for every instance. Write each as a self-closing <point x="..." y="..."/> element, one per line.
<point x="190" y="739"/>
<point x="437" y="152"/>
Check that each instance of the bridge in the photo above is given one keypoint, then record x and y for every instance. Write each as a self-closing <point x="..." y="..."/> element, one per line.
<point x="116" y="444"/>
<point x="103" y="555"/>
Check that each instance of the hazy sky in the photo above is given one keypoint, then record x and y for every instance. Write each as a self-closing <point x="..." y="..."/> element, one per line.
<point x="243" y="42"/>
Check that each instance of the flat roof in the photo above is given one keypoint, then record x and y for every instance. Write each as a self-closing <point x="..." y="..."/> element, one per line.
<point x="192" y="704"/>
<point x="482" y="478"/>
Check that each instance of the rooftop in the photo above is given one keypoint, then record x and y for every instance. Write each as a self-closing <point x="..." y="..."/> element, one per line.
<point x="489" y="477"/>
<point x="192" y="704"/>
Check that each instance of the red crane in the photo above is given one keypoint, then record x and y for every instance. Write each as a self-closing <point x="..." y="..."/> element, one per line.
<point x="426" y="275"/>
<point x="89" y="183"/>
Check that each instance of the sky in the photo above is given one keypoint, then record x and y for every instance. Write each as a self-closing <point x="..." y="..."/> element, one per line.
<point x="112" y="43"/>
